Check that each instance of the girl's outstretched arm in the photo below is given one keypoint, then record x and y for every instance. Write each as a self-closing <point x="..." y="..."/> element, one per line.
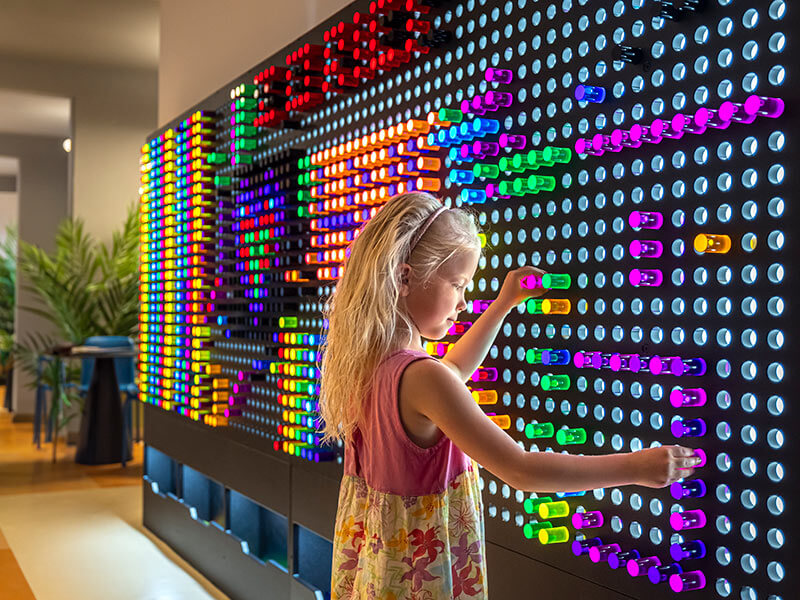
<point x="435" y="392"/>
<point x="467" y="354"/>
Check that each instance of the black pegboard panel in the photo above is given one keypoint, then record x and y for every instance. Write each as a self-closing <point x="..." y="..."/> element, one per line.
<point x="725" y="177"/>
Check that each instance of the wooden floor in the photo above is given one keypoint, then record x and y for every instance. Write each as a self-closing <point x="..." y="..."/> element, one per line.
<point x="75" y="532"/>
<point x="24" y="470"/>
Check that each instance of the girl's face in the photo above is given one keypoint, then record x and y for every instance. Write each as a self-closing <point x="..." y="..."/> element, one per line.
<point x="433" y="306"/>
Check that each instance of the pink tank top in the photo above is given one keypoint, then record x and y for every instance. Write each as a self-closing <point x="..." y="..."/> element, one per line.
<point x="381" y="451"/>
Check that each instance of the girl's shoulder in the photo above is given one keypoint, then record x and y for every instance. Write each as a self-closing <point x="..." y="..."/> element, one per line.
<point x="404" y="355"/>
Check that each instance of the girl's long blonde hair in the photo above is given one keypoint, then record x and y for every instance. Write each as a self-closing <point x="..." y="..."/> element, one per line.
<point x="365" y="320"/>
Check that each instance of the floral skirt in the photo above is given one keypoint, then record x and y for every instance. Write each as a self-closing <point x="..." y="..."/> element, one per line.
<point x="392" y="547"/>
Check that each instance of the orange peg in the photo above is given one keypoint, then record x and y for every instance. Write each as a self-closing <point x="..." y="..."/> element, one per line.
<point x="502" y="421"/>
<point x="428" y="184"/>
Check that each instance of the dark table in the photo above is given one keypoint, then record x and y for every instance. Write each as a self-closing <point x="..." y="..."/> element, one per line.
<point x="102" y="427"/>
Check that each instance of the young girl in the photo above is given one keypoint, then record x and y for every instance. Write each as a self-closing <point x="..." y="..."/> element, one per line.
<point x="410" y="518"/>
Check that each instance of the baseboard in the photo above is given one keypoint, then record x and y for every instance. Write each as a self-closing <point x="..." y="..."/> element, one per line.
<point x="22" y="418"/>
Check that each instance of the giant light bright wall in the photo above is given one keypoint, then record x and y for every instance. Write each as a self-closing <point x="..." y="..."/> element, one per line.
<point x="641" y="148"/>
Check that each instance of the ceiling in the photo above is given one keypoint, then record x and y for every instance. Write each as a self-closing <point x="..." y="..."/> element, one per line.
<point x="107" y="32"/>
<point x="34" y="114"/>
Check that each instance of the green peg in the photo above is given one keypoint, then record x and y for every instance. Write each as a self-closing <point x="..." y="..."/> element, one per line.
<point x="526" y="185"/>
<point x="537" y="156"/>
<point x="534" y="355"/>
<point x="221" y="180"/>
<point x="287" y="322"/>
<point x="556" y="281"/>
<point x="571" y="436"/>
<point x="555" y="382"/>
<point x="542" y="182"/>
<point x="555" y="154"/>
<point x="245" y="89"/>
<point x="531" y="530"/>
<point x="523" y="162"/>
<point x="506" y="164"/>
<point x="244" y="116"/>
<point x="531" y="505"/>
<point x="539" y="430"/>
<point x="217" y="158"/>
<point x="534" y="306"/>
<point x="506" y="188"/>
<point x="483" y="170"/>
<point x="245" y="144"/>
<point x="245" y="131"/>
<point x="451" y="114"/>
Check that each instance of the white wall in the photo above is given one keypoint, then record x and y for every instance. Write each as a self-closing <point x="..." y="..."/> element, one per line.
<point x="113" y="110"/>
<point x="8" y="211"/>
<point x="205" y="43"/>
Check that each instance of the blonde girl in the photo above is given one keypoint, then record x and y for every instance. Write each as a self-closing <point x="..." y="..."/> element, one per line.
<point x="410" y="517"/>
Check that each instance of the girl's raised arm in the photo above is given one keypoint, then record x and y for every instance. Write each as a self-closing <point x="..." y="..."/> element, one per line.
<point x="467" y="354"/>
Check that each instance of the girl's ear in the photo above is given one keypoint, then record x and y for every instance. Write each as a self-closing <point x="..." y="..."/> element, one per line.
<point x="404" y="274"/>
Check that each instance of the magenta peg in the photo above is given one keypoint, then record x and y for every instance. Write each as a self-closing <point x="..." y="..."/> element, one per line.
<point x="646" y="248"/>
<point x="601" y="553"/>
<point x="680" y="398"/>
<point x="646" y="277"/>
<point x="763" y="106"/>
<point x="486" y="148"/>
<point x="701" y="454"/>
<point x="653" y="133"/>
<point x="687" y="582"/>
<point x="517" y="142"/>
<point x="497" y="99"/>
<point x="485" y="374"/>
<point x="584" y="146"/>
<point x="499" y="75"/>
<point x="624" y="139"/>
<point x="479" y="306"/>
<point x="734" y="111"/>
<point x="625" y="362"/>
<point x="639" y="566"/>
<point x="688" y="519"/>
<point x="672" y="365"/>
<point x="673" y="128"/>
<point x="531" y="282"/>
<point x="645" y="220"/>
<point x="587" y="520"/>
<point x="592" y="360"/>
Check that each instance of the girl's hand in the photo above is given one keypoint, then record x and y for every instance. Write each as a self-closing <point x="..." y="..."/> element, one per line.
<point x="512" y="292"/>
<point x="662" y="466"/>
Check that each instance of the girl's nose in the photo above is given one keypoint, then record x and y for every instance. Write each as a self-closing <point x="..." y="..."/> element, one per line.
<point x="462" y="303"/>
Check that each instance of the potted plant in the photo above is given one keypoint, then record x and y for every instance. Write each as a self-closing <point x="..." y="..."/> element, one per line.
<point x="84" y="288"/>
<point x="8" y="291"/>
